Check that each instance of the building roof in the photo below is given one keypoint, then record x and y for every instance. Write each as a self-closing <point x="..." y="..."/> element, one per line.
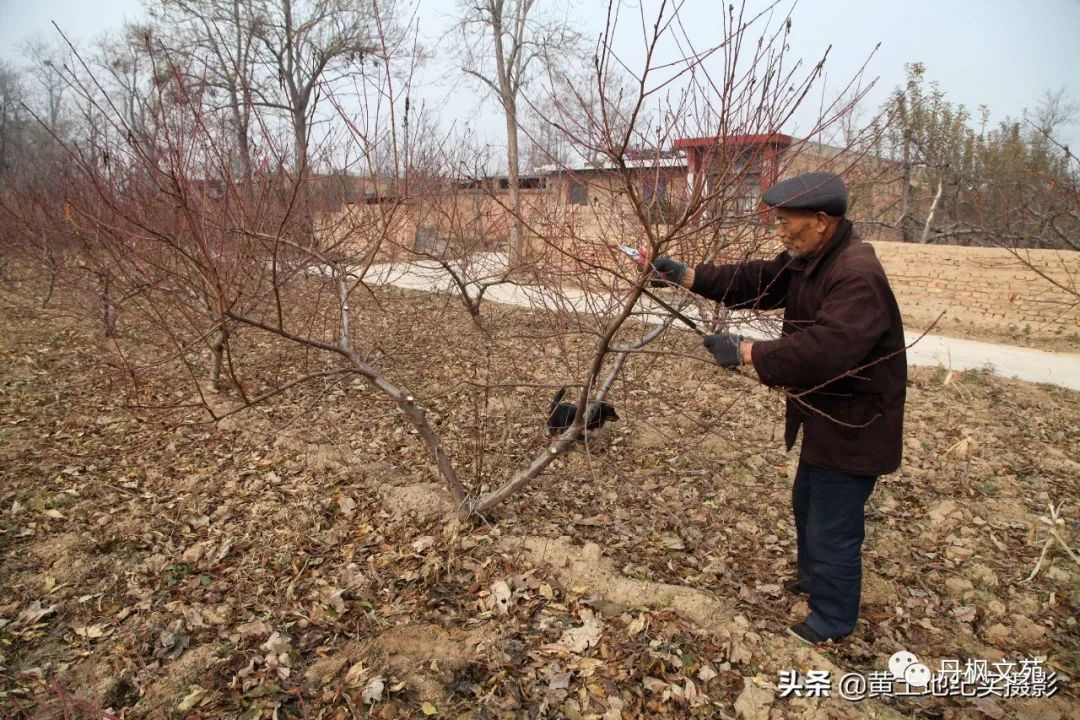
<point x="650" y="163"/>
<point x="709" y="141"/>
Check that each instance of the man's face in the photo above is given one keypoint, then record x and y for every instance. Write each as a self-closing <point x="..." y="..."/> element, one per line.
<point x="801" y="232"/>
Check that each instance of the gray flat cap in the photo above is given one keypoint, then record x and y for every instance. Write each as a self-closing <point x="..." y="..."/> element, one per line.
<point x="818" y="192"/>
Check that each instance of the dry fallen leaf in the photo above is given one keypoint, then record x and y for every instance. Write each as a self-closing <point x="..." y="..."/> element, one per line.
<point x="373" y="691"/>
<point x="355" y="672"/>
<point x="34" y="613"/>
<point x="989" y="707"/>
<point x="654" y="685"/>
<point x="962" y="449"/>
<point x="276" y="643"/>
<point x="422" y="543"/>
<point x="705" y="674"/>
<point x="172" y="644"/>
<point x="332" y="598"/>
<point x="255" y="628"/>
<point x="194" y="553"/>
<point x="740" y="654"/>
<point x="580" y="639"/>
<point x="500" y="593"/>
<point x="673" y="542"/>
<point x="755" y="700"/>
<point x="429" y="709"/>
<point x="965" y="613"/>
<point x="192" y="699"/>
<point x="91" y="632"/>
<point x="216" y="616"/>
<point x="559" y="681"/>
<point x="347" y="506"/>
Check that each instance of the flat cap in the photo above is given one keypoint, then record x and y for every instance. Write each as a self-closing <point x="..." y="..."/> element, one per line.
<point x="817" y="192"/>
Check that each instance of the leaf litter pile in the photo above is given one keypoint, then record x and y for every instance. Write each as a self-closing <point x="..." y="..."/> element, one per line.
<point x="299" y="559"/>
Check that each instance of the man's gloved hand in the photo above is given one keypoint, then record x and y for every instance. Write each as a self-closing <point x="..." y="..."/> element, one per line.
<point x="667" y="271"/>
<point x="725" y="348"/>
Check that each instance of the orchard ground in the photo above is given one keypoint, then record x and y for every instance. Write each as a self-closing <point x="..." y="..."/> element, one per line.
<point x="300" y="557"/>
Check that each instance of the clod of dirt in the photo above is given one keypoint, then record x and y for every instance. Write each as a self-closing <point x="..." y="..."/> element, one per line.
<point x="424" y="501"/>
<point x="425" y="657"/>
<point x="584" y="566"/>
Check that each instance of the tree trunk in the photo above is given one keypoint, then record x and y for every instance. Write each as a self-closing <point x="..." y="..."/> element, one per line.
<point x="108" y="307"/>
<point x="300" y="131"/>
<point x="217" y="355"/>
<point x="517" y="234"/>
<point x="242" y="104"/>
<point x="930" y="216"/>
<point x="50" y="290"/>
<point x="905" y="193"/>
<point x="54" y="270"/>
<point x="304" y="190"/>
<point x="241" y="161"/>
<point x="245" y="161"/>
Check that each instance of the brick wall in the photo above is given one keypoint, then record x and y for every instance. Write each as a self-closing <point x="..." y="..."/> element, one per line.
<point x="988" y="290"/>
<point x="985" y="293"/>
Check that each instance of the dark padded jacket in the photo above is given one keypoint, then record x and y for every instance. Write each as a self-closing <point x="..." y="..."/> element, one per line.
<point x="841" y="354"/>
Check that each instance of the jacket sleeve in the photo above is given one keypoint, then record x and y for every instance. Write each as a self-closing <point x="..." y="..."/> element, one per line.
<point x="853" y="317"/>
<point x="754" y="284"/>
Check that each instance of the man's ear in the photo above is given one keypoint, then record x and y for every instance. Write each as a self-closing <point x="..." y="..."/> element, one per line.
<point x="821" y="222"/>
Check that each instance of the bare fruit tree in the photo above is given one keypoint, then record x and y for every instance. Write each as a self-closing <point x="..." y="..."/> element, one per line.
<point x="199" y="259"/>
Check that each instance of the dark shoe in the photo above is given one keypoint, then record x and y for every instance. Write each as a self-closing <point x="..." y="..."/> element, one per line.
<point x="808" y="635"/>
<point x="793" y="587"/>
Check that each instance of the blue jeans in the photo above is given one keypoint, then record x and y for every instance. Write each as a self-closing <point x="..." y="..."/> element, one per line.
<point x="828" y="509"/>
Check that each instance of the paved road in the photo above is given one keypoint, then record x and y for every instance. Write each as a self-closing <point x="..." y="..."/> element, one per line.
<point x="1038" y="366"/>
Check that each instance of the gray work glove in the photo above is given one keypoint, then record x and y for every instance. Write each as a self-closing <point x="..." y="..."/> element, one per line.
<point x="667" y="271"/>
<point x="725" y="348"/>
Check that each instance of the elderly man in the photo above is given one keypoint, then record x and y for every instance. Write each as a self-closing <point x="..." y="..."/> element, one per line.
<point x="842" y="363"/>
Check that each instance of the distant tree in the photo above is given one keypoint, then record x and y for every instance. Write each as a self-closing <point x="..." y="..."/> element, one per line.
<point x="932" y="140"/>
<point x="47" y="70"/>
<point x="213" y="43"/>
<point x="502" y="44"/>
<point x="12" y="95"/>
<point x="545" y="143"/>
<point x="1055" y="110"/>
<point x="302" y="42"/>
<point x="959" y="182"/>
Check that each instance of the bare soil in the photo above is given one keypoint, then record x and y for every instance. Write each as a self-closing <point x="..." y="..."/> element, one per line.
<point x="1038" y="336"/>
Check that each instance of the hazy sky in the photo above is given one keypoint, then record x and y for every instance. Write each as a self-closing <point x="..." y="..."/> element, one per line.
<point x="1001" y="53"/>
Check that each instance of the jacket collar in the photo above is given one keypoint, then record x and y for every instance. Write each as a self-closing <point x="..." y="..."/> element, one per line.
<point x="840" y="238"/>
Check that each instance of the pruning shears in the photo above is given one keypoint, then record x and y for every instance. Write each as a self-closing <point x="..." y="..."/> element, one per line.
<point x="639" y="258"/>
